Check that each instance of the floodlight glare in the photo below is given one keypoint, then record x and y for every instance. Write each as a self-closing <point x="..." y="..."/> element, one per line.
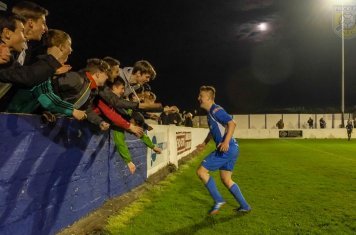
<point x="262" y="26"/>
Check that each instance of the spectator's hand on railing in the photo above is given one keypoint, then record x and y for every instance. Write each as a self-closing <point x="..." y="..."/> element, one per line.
<point x="157" y="150"/>
<point x="104" y="126"/>
<point x="65" y="68"/>
<point x="79" y="114"/>
<point x="136" y="130"/>
<point x="131" y="167"/>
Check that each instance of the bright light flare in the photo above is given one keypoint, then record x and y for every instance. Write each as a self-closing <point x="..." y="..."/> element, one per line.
<point x="262" y="26"/>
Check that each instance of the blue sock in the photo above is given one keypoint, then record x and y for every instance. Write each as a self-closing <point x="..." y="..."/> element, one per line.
<point x="235" y="191"/>
<point x="213" y="190"/>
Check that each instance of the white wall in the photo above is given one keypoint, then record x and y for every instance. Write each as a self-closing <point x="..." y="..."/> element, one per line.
<point x="272" y="120"/>
<point x="176" y="142"/>
<point x="304" y="120"/>
<point x="291" y="121"/>
<point x="257" y="121"/>
<point x="274" y="133"/>
<point x="159" y="136"/>
<point x="241" y="121"/>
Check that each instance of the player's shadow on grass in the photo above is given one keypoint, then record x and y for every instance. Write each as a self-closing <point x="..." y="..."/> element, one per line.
<point x="208" y="221"/>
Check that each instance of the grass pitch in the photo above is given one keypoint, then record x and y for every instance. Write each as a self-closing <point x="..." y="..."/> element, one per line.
<point x="293" y="186"/>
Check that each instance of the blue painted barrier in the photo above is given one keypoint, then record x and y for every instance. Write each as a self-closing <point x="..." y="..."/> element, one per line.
<point x="51" y="176"/>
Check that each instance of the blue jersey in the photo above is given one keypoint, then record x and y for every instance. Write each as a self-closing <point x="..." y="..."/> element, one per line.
<point x="217" y="121"/>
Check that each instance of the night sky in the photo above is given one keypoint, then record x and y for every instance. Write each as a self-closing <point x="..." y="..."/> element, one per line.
<point x="261" y="55"/>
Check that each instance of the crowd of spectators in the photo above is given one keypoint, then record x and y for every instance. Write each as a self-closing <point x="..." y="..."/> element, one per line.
<point x="35" y="78"/>
<point x="172" y="116"/>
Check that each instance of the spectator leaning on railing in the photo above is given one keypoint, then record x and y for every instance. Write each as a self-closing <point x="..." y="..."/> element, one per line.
<point x="81" y="89"/>
<point x="120" y="104"/>
<point x="44" y="92"/>
<point x="34" y="27"/>
<point x="142" y="72"/>
<point x="12" y="72"/>
<point x="133" y="123"/>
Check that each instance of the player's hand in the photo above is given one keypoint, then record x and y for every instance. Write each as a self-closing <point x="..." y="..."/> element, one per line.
<point x="65" y="68"/>
<point x="136" y="130"/>
<point x="131" y="167"/>
<point x="223" y="147"/>
<point x="79" y="114"/>
<point x="157" y="150"/>
<point x="104" y="126"/>
<point x="200" y="146"/>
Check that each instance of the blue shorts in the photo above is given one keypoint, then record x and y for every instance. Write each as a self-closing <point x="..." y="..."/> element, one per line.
<point x="222" y="161"/>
